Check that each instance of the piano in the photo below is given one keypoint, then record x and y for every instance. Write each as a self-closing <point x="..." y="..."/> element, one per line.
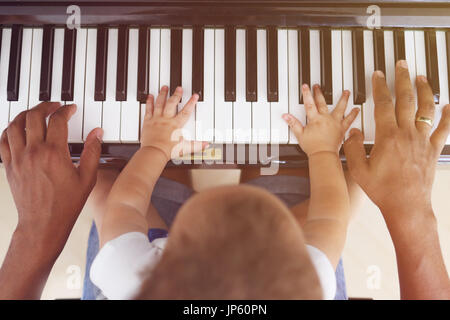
<point x="246" y="59"/>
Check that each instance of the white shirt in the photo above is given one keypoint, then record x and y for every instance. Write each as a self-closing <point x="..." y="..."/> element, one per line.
<point x="122" y="265"/>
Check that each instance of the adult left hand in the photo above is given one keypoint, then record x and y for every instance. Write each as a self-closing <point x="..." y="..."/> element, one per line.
<point x="48" y="189"/>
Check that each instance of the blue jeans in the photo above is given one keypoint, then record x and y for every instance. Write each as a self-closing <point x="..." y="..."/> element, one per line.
<point x="167" y="198"/>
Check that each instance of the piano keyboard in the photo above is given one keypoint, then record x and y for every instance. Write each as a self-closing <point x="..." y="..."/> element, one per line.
<point x="246" y="78"/>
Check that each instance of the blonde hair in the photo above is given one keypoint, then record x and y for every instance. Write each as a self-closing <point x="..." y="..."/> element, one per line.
<point x="234" y="243"/>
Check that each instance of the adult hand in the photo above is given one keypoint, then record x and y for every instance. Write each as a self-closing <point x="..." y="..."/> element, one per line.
<point x="48" y="189"/>
<point x="399" y="173"/>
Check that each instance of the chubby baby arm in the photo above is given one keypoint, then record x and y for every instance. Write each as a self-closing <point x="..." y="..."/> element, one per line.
<point x="328" y="213"/>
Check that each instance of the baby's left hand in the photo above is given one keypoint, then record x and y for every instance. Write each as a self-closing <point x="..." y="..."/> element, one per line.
<point x="325" y="131"/>
<point x="162" y="124"/>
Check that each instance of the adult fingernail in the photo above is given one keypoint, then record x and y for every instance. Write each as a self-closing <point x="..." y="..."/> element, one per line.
<point x="379" y="74"/>
<point x="403" y="64"/>
<point x="99" y="134"/>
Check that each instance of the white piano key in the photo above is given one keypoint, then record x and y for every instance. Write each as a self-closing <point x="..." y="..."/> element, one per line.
<point x="389" y="60"/>
<point x="21" y="104"/>
<point x="155" y="36"/>
<point x="164" y="66"/>
<point x="92" y="109"/>
<point x="279" y="128"/>
<point x="296" y="109"/>
<point x="5" y="47"/>
<point x="261" y="108"/>
<point x="111" y="107"/>
<point x="186" y="82"/>
<point x="336" y="62"/>
<point x="314" y="47"/>
<point x="223" y="111"/>
<point x="76" y="121"/>
<point x="130" y="109"/>
<point x="58" y="56"/>
<point x="347" y="65"/>
<point x="421" y="62"/>
<point x="410" y="55"/>
<point x="35" y="72"/>
<point x="443" y="77"/>
<point x="242" y="110"/>
<point x="368" y="109"/>
<point x="205" y="109"/>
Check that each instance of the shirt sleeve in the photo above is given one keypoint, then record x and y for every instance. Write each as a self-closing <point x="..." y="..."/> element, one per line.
<point x="325" y="271"/>
<point x="123" y="263"/>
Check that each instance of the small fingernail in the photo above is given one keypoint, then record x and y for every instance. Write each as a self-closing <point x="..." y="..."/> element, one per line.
<point x="379" y="74"/>
<point x="422" y="79"/>
<point x="403" y="64"/>
<point x="305" y="86"/>
<point x="178" y="89"/>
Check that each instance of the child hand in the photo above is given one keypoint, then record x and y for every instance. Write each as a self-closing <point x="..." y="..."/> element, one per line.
<point x="162" y="121"/>
<point x="325" y="131"/>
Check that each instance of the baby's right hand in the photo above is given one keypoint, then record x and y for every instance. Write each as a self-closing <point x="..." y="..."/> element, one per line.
<point x="325" y="131"/>
<point x="161" y="122"/>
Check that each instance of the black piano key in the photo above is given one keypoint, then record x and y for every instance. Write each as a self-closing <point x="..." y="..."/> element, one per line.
<point x="272" y="64"/>
<point x="70" y="40"/>
<point x="399" y="45"/>
<point x="359" y="73"/>
<point x="101" y="62"/>
<point x="197" y="61"/>
<point x="45" y="86"/>
<point x="304" y="62"/>
<point x="122" y="64"/>
<point x="176" y="45"/>
<point x="230" y="64"/>
<point x="14" y="63"/>
<point x="143" y="64"/>
<point x="326" y="73"/>
<point x="251" y="66"/>
<point x="378" y="50"/>
<point x="432" y="63"/>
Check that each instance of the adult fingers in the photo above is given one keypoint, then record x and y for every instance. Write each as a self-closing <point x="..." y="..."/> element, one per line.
<point x="405" y="103"/>
<point x="439" y="136"/>
<point x="90" y="157"/>
<point x="170" y="110"/>
<point x="384" y="109"/>
<point x="308" y="100"/>
<point x="149" y="106"/>
<point x="36" y="126"/>
<point x="16" y="134"/>
<point x="425" y="104"/>
<point x="294" y="124"/>
<point x="356" y="156"/>
<point x="320" y="99"/>
<point x="57" y="130"/>
<point x="348" y="120"/>
<point x="339" y="110"/>
<point x="5" y="152"/>
<point x="160" y="101"/>
<point x="187" y="110"/>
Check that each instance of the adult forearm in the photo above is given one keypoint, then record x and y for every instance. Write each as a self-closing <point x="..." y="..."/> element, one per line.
<point x="421" y="268"/>
<point x="25" y="268"/>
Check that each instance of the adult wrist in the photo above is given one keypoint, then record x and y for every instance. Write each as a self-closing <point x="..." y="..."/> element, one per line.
<point x="409" y="221"/>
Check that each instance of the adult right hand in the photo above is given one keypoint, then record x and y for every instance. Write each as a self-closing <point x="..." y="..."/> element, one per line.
<point x="399" y="173"/>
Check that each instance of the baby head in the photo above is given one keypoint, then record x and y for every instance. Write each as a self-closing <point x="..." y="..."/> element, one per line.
<point x="236" y="242"/>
